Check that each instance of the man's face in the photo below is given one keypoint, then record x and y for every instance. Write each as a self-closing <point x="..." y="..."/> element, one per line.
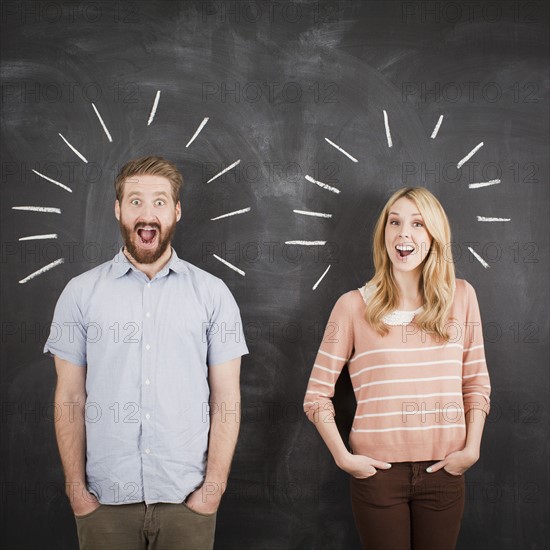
<point x="147" y="216"/>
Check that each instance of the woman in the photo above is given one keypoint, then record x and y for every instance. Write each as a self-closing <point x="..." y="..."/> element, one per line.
<point x="413" y="339"/>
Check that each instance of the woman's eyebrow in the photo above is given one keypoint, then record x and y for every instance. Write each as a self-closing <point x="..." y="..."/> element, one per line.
<point x="415" y="214"/>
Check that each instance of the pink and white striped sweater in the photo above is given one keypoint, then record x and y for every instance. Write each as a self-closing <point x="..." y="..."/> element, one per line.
<point x="412" y="389"/>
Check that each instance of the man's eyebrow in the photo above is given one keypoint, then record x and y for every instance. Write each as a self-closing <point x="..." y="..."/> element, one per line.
<point x="139" y="193"/>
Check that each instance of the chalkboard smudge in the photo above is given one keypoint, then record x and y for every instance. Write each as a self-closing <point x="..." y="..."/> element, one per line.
<point x="308" y="213"/>
<point x="33" y="237"/>
<point x="203" y="123"/>
<point x="470" y="154"/>
<point x="436" y="129"/>
<point x="479" y="258"/>
<point x="341" y="150"/>
<point x="231" y="214"/>
<point x="102" y="124"/>
<point x="483" y="184"/>
<point x="41" y="270"/>
<point x="307" y="243"/>
<point x="320" y="278"/>
<point x="38" y="209"/>
<point x="53" y="181"/>
<point x="240" y="271"/>
<point x="154" y="109"/>
<point x="484" y="219"/>
<point x="80" y="155"/>
<point x="323" y="185"/>
<point x="388" y="134"/>
<point x="224" y="171"/>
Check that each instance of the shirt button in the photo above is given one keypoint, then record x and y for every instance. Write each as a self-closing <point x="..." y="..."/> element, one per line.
<point x="147" y="346"/>
<point x="148" y="285"/>
<point x="147" y="381"/>
<point x="147" y="416"/>
<point x="147" y="314"/>
<point x="147" y="450"/>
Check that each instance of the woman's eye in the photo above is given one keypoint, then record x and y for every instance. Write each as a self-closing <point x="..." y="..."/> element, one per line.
<point x="393" y="222"/>
<point x="418" y="224"/>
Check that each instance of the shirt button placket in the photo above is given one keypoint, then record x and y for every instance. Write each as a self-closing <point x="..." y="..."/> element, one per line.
<point x="146" y="404"/>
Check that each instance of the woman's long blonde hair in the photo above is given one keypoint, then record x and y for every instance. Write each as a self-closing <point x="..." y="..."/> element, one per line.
<point x="437" y="282"/>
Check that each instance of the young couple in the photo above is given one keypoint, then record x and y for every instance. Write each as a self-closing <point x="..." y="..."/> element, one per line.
<point x="144" y="469"/>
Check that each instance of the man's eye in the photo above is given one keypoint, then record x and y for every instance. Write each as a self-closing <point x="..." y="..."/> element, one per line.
<point x="134" y="201"/>
<point x="160" y="202"/>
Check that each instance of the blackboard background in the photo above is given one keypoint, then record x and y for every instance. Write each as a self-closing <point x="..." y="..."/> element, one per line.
<point x="275" y="80"/>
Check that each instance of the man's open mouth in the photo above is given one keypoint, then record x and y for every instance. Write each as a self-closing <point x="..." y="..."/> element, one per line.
<point x="147" y="236"/>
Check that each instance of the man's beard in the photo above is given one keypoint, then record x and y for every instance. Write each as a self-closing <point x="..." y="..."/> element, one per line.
<point x="141" y="256"/>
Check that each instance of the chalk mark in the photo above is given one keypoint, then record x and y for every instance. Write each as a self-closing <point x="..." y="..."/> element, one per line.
<point x="321" y="277"/>
<point x="224" y="171"/>
<point x="41" y="270"/>
<point x="341" y="150"/>
<point x="53" y="181"/>
<point x="197" y="132"/>
<point x="234" y="268"/>
<point x="77" y="153"/>
<point x="231" y="214"/>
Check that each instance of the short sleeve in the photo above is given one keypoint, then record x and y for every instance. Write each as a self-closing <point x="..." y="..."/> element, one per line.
<point x="67" y="337"/>
<point x="225" y="335"/>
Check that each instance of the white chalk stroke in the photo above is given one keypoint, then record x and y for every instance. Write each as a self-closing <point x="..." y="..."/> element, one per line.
<point x="341" y="150"/>
<point x="197" y="132"/>
<point x="53" y="181"/>
<point x="102" y="124"/>
<point x="77" y="153"/>
<point x="321" y="278"/>
<point x="224" y="171"/>
<point x="154" y="109"/>
<point x="323" y="185"/>
<point x="41" y="270"/>
<point x="470" y="154"/>
<point x="234" y="268"/>
<point x="478" y="257"/>
<point x="231" y="214"/>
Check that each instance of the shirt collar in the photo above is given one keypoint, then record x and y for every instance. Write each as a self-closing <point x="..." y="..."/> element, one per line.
<point x="120" y="265"/>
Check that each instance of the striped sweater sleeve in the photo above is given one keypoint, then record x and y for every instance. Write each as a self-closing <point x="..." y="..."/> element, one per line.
<point x="476" y="386"/>
<point x="335" y="350"/>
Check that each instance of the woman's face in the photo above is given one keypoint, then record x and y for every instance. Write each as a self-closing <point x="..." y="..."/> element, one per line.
<point x="407" y="239"/>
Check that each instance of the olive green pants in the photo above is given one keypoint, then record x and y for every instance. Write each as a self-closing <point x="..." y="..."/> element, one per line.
<point x="158" y="526"/>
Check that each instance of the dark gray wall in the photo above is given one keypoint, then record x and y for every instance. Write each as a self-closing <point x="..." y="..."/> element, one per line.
<point x="276" y="79"/>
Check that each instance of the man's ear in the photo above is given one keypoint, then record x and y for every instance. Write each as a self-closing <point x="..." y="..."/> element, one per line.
<point x="117" y="210"/>
<point x="178" y="211"/>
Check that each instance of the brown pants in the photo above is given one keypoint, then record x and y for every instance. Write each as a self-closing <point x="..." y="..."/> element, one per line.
<point x="139" y="527"/>
<point x="406" y="508"/>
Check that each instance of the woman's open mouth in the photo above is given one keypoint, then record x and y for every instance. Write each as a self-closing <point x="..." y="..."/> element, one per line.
<point x="147" y="236"/>
<point x="404" y="250"/>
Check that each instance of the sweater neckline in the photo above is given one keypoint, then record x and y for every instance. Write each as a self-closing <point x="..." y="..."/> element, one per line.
<point x="394" y="318"/>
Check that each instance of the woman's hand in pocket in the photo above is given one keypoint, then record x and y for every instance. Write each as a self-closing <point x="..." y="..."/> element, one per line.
<point x="456" y="463"/>
<point x="360" y="466"/>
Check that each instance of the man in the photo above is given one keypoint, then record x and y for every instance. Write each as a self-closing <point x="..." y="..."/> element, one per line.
<point x="147" y="351"/>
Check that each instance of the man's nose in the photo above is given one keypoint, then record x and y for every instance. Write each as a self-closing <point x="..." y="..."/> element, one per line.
<point x="148" y="213"/>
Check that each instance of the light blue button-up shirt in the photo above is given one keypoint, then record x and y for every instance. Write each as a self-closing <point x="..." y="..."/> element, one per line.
<point x="147" y="345"/>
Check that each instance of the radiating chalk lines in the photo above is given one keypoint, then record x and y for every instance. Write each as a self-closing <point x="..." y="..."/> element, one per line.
<point x="56" y="210"/>
<point x="320" y="184"/>
<point x="389" y="141"/>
